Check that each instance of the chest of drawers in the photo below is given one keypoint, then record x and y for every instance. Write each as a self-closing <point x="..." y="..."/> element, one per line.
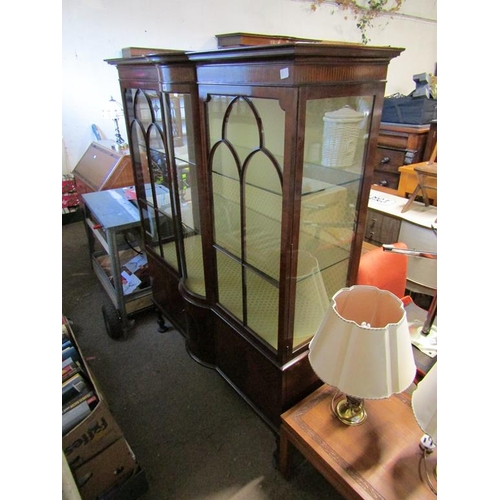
<point x="381" y="228"/>
<point x="398" y="145"/>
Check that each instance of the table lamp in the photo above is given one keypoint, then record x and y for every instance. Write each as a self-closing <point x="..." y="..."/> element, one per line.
<point x="424" y="404"/>
<point x="113" y="111"/>
<point x="363" y="348"/>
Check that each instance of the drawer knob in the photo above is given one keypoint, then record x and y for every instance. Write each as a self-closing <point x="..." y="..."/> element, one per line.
<point x="385" y="159"/>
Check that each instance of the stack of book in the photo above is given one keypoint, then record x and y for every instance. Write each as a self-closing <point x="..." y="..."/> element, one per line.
<point x="78" y="395"/>
<point x="99" y="457"/>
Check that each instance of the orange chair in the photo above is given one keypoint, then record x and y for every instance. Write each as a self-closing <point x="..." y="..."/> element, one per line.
<point x="385" y="270"/>
<point x="388" y="271"/>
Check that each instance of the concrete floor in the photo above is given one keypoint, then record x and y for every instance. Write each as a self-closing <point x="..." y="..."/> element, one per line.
<point x="191" y="432"/>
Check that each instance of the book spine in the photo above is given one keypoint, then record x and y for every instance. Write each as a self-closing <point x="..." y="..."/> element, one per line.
<point x="79" y="396"/>
<point x="90" y="397"/>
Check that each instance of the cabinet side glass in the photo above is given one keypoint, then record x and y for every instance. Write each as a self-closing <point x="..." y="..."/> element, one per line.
<point x="335" y="144"/>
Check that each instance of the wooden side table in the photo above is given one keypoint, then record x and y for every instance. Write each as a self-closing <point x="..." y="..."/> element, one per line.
<point x="380" y="459"/>
<point x="426" y="179"/>
<point x="409" y="181"/>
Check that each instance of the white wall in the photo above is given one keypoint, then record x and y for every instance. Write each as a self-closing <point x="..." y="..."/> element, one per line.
<point x="94" y="30"/>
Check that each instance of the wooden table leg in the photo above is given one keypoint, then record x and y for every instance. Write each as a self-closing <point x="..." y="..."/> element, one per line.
<point x="284" y="464"/>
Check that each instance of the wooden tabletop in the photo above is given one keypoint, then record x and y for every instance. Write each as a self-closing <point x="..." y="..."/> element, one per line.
<point x="428" y="168"/>
<point x="379" y="459"/>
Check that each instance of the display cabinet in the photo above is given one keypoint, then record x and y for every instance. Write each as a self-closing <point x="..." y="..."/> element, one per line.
<point x="277" y="199"/>
<point x="160" y="100"/>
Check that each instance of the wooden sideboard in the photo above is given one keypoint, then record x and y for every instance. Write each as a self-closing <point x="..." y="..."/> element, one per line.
<point x="397" y="145"/>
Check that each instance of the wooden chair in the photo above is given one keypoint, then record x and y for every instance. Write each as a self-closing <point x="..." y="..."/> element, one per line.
<point x="388" y="271"/>
<point x="426" y="179"/>
<point x="385" y="270"/>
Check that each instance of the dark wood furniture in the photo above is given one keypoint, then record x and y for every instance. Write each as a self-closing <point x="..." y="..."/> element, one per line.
<point x="239" y="39"/>
<point x="430" y="146"/>
<point x="380" y="228"/>
<point x="398" y="145"/>
<point x="267" y="210"/>
<point x="378" y="459"/>
<point x="171" y="189"/>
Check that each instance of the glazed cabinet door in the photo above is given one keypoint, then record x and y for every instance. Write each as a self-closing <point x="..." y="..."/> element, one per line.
<point x="246" y="142"/>
<point x="285" y="184"/>
<point x="167" y="194"/>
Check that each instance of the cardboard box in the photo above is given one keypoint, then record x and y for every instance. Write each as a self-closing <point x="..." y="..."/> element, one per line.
<point x="112" y="466"/>
<point x="100" y="459"/>
<point x="134" y="487"/>
<point x="91" y="436"/>
<point x="97" y="431"/>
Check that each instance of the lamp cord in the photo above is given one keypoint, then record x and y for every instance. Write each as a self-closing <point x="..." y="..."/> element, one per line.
<point x="426" y="475"/>
<point x="337" y="393"/>
<point x="138" y="252"/>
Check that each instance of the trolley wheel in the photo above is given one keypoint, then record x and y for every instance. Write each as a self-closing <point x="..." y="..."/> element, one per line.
<point x="113" y="322"/>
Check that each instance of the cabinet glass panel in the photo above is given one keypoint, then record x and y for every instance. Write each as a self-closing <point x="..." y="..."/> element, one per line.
<point x="335" y="142"/>
<point x="186" y="187"/>
<point x="147" y="127"/>
<point x="169" y="200"/>
<point x="246" y="163"/>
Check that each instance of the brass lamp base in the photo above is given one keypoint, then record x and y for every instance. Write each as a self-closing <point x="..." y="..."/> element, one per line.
<point x="350" y="411"/>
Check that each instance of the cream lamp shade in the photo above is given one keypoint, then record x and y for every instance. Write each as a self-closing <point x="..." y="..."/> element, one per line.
<point x="424" y="403"/>
<point x="363" y="345"/>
